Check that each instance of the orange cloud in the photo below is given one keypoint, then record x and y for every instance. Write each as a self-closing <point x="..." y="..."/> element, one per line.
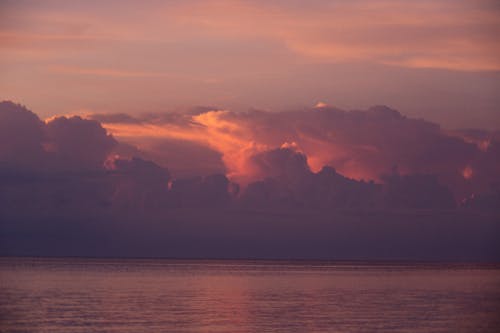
<point x="120" y="73"/>
<point x="238" y="140"/>
<point x="467" y="173"/>
<point x="426" y="34"/>
<point x="239" y="137"/>
<point x="452" y="35"/>
<point x="358" y="144"/>
<point x="232" y="140"/>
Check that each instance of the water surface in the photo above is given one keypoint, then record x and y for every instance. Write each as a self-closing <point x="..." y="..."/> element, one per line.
<point x="104" y="295"/>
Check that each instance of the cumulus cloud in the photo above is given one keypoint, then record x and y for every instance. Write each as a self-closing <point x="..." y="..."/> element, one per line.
<point x="183" y="158"/>
<point x="288" y="148"/>
<point x="418" y="191"/>
<point x="139" y="184"/>
<point x="51" y="167"/>
<point x="206" y="192"/>
<point x="21" y="135"/>
<point x="328" y="166"/>
<point x="289" y="182"/>
<point x="360" y="144"/>
<point x="61" y="142"/>
<point x="283" y="164"/>
<point x="79" y="143"/>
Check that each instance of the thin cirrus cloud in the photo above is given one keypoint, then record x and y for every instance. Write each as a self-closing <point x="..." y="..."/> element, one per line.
<point x="113" y="73"/>
<point x="104" y="72"/>
<point x="422" y="34"/>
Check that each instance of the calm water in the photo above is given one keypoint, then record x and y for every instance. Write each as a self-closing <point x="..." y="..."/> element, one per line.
<point x="90" y="295"/>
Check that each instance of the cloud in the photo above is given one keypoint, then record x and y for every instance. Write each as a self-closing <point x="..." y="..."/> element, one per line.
<point x="53" y="166"/>
<point x="287" y="149"/>
<point x="284" y="177"/>
<point x="287" y="182"/>
<point x="183" y="158"/>
<point x="138" y="185"/>
<point x="346" y="54"/>
<point x="125" y="74"/>
<point x="111" y="118"/>
<point x="416" y="191"/>
<point x="438" y="34"/>
<point x="360" y="144"/>
<point x="21" y="135"/>
<point x="174" y="140"/>
<point x="79" y="143"/>
<point x="209" y="192"/>
<point x="82" y="192"/>
<point x="61" y="142"/>
<point x="486" y="202"/>
<point x="284" y="164"/>
<point x="410" y="35"/>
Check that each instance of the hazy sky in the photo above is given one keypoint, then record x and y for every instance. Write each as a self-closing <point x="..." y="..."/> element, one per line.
<point x="439" y="60"/>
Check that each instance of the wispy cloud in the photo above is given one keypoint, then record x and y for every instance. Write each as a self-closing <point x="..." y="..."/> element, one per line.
<point x="240" y="54"/>
<point x="118" y="73"/>
<point x="457" y="35"/>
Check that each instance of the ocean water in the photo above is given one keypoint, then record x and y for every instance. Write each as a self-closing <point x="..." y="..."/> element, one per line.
<point x="108" y="295"/>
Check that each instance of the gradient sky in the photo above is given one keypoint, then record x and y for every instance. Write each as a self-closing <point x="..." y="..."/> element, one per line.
<point x="439" y="60"/>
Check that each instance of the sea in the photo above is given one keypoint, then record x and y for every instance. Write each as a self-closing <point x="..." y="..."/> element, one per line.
<point x="165" y="295"/>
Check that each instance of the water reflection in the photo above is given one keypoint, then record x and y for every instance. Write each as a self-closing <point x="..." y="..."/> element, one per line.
<point x="84" y="295"/>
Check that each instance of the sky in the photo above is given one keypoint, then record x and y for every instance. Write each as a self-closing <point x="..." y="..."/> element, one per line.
<point x="438" y="60"/>
<point x="250" y="129"/>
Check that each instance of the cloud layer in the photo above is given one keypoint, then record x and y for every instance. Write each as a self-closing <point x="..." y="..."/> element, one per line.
<point x="364" y="144"/>
<point x="73" y="177"/>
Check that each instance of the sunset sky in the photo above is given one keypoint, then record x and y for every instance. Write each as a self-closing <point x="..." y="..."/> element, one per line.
<point x="182" y="110"/>
<point x="439" y="60"/>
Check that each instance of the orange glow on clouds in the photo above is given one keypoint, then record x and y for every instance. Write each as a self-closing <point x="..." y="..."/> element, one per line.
<point x="233" y="141"/>
<point x="358" y="144"/>
<point x="230" y="139"/>
<point x="467" y="172"/>
<point x="237" y="142"/>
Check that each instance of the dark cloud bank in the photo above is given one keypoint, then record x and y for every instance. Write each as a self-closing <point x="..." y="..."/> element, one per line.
<point x="435" y="197"/>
